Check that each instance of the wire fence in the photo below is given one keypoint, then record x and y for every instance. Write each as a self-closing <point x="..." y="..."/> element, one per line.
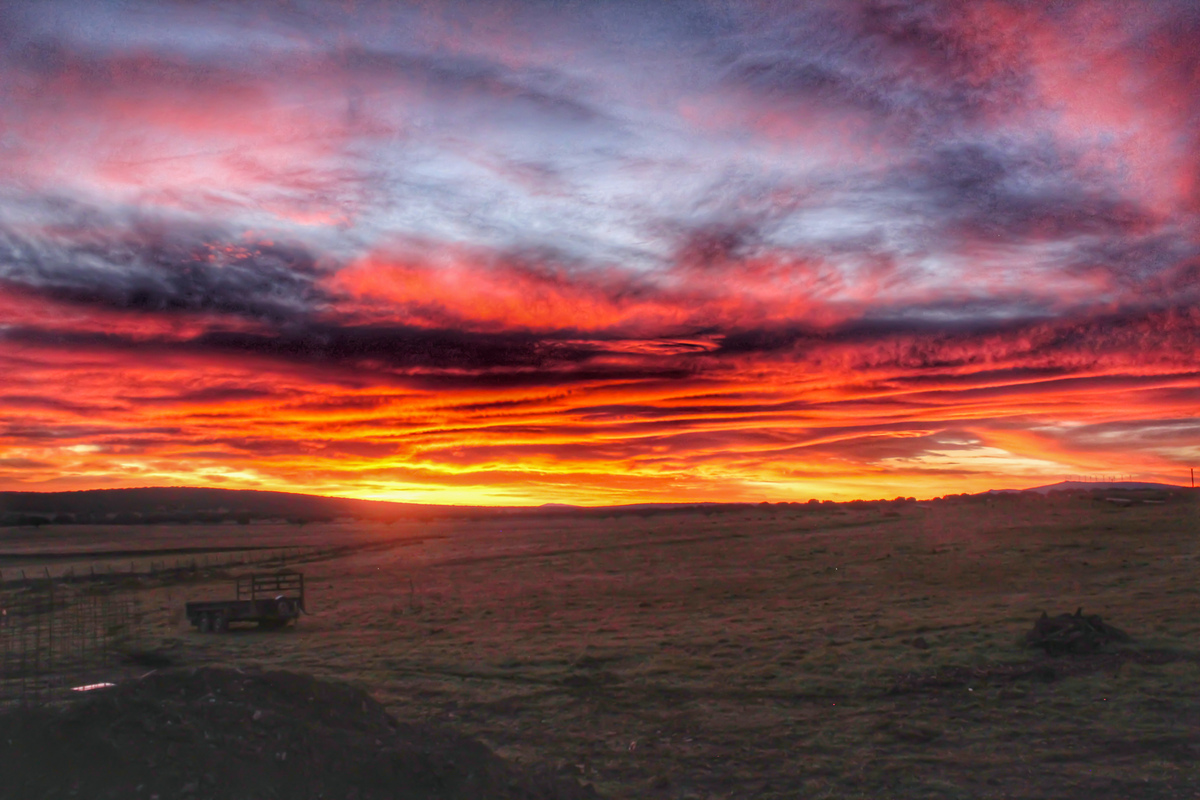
<point x="104" y="567"/>
<point x="71" y="629"/>
<point x="55" y="638"/>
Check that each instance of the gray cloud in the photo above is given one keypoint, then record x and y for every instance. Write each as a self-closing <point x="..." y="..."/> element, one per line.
<point x="1010" y="191"/>
<point x="159" y="266"/>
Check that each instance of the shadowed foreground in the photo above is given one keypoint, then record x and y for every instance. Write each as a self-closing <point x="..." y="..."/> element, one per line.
<point x="219" y="733"/>
<point x="767" y="653"/>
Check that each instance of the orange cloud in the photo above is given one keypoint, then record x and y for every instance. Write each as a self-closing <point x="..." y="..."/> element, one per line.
<point x="835" y="419"/>
<point x="835" y="249"/>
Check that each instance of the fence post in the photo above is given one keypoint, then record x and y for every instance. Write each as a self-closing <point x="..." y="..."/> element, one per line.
<point x="102" y="613"/>
<point x="28" y="684"/>
<point x="50" y="632"/>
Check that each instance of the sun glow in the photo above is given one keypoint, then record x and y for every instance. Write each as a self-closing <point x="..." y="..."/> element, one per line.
<point x="853" y="256"/>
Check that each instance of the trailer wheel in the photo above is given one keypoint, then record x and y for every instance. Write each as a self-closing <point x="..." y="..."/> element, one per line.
<point x="285" y="609"/>
<point x="221" y="623"/>
<point x="205" y="623"/>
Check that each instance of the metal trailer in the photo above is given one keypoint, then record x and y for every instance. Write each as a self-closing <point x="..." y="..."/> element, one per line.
<point x="270" y="599"/>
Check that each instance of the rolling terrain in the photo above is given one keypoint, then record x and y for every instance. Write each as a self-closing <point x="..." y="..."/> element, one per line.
<point x="848" y="651"/>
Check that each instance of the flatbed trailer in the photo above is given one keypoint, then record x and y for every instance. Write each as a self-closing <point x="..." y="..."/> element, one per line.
<point x="270" y="599"/>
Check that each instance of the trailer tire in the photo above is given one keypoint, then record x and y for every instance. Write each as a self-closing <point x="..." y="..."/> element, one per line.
<point x="284" y="608"/>
<point x="221" y="623"/>
<point x="204" y="625"/>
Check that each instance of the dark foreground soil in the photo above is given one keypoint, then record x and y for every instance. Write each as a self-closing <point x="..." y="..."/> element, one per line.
<point x="224" y="733"/>
<point x="1045" y="670"/>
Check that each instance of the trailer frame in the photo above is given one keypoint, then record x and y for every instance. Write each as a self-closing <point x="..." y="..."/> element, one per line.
<point x="271" y="600"/>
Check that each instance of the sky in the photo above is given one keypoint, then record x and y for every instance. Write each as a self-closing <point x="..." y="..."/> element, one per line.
<point x="507" y="253"/>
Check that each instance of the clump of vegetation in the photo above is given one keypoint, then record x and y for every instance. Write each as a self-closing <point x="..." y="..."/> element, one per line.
<point x="1073" y="633"/>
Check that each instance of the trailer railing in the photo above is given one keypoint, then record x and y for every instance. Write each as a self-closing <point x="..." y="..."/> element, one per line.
<point x="268" y="585"/>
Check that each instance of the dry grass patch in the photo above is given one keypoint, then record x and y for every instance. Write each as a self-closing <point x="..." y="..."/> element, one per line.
<point x="694" y="656"/>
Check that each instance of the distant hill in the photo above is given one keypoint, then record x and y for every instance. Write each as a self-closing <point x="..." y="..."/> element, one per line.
<point x="187" y="504"/>
<point x="1085" y="486"/>
<point x="156" y="505"/>
<point x="184" y="504"/>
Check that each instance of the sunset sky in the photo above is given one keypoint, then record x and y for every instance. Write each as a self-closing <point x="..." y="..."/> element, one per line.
<point x="598" y="252"/>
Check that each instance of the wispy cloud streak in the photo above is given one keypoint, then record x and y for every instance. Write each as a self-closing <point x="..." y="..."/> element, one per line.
<point x="608" y="252"/>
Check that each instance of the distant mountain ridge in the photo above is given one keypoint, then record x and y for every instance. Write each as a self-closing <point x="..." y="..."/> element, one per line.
<point x="211" y="505"/>
<point x="177" y="500"/>
<point x="196" y="504"/>
<point x="1071" y="486"/>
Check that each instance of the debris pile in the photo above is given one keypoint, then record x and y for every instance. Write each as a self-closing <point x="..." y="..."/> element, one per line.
<point x="224" y="733"/>
<point x="1073" y="633"/>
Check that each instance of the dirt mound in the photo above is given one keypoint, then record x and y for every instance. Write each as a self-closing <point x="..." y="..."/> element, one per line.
<point x="223" y="733"/>
<point x="1073" y="633"/>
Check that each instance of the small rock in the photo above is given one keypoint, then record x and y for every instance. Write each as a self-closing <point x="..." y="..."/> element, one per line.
<point x="920" y="643"/>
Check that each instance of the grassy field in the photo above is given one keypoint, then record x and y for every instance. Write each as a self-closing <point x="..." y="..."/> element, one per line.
<point x="767" y="653"/>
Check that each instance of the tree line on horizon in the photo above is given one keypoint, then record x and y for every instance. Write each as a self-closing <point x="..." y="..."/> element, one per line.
<point x="38" y="510"/>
